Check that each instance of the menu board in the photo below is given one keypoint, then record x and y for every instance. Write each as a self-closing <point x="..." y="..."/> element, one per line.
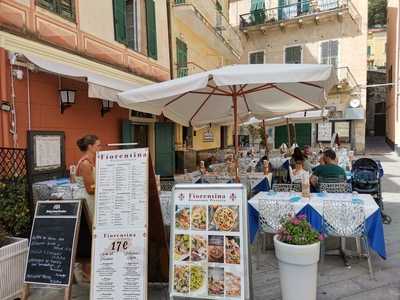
<point x="53" y="242"/>
<point x="119" y="269"/>
<point x="324" y="132"/>
<point x="209" y="254"/>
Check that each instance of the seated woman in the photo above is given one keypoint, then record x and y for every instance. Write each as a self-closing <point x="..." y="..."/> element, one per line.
<point x="297" y="172"/>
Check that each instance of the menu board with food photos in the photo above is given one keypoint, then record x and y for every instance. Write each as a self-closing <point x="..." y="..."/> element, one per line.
<point x="209" y="252"/>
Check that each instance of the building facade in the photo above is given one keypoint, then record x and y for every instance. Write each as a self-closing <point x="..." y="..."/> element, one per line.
<point x="52" y="45"/>
<point x="376" y="50"/>
<point x="392" y="75"/>
<point x="314" y="31"/>
<point x="202" y="39"/>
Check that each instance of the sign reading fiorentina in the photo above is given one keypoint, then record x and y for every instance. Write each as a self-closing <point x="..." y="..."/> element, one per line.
<point x="209" y="248"/>
<point x="119" y="269"/>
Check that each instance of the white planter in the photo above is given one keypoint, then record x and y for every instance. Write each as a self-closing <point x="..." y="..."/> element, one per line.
<point x="298" y="266"/>
<point x="12" y="268"/>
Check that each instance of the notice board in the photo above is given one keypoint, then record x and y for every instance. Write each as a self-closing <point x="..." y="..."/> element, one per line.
<point x="209" y="242"/>
<point x="119" y="252"/>
<point x="53" y="243"/>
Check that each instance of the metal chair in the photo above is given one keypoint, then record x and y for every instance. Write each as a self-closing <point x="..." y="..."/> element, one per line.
<point x="345" y="219"/>
<point x="271" y="212"/>
<point x="342" y="187"/>
<point x="286" y="187"/>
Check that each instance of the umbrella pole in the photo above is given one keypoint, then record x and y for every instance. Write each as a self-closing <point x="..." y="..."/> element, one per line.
<point x="265" y="136"/>
<point x="235" y="123"/>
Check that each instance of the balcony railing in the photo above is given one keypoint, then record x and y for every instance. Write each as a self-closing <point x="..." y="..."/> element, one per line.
<point x="346" y="79"/>
<point x="295" y="11"/>
<point x="214" y="19"/>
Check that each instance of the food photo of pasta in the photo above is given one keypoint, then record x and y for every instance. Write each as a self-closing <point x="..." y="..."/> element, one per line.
<point x="216" y="248"/>
<point x="182" y="247"/>
<point x="181" y="279"/>
<point x="216" y="281"/>
<point x="224" y="218"/>
<point x="182" y="217"/>
<point x="232" y="250"/>
<point x="198" y="248"/>
<point x="197" y="279"/>
<point x="199" y="217"/>
<point x="232" y="284"/>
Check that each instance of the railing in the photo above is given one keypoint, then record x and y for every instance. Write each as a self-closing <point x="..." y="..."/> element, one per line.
<point x="182" y="71"/>
<point x="293" y="11"/>
<point x="207" y="10"/>
<point x="13" y="164"/>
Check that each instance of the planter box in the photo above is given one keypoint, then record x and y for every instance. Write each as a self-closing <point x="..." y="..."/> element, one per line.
<point x="12" y="268"/>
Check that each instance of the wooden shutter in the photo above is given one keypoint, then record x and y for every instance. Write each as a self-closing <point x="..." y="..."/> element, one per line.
<point x="305" y="6"/>
<point x="119" y="21"/>
<point x="48" y="4"/>
<point x="181" y="53"/>
<point x="293" y="55"/>
<point x="127" y="133"/>
<point x="257" y="57"/>
<point x="151" y="29"/>
<point x="303" y="134"/>
<point x="281" y="136"/>
<point x="281" y="3"/>
<point x="66" y="9"/>
<point x="334" y="52"/>
<point x="257" y="10"/>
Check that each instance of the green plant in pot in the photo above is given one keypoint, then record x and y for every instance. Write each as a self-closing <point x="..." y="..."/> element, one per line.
<point x="297" y="247"/>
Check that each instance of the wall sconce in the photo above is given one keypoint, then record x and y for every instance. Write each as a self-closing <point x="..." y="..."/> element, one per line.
<point x="5" y="106"/>
<point x="106" y="107"/>
<point x="67" y="98"/>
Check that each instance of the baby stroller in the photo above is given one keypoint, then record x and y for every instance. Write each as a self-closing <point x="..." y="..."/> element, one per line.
<point x="367" y="180"/>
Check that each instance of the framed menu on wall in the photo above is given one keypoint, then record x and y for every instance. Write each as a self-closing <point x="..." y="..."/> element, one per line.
<point x="120" y="238"/>
<point x="209" y="242"/>
<point x="324" y="132"/>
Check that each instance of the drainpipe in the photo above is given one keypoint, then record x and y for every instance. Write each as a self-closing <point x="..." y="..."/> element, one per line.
<point x="171" y="61"/>
<point x="4" y="116"/>
<point x="396" y="77"/>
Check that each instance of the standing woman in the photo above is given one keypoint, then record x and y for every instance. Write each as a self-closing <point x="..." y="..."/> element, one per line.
<point x="86" y="170"/>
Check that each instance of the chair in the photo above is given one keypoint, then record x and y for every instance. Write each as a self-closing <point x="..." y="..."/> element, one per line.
<point x="342" y="187"/>
<point x="345" y="219"/>
<point x="287" y="187"/>
<point x="271" y="212"/>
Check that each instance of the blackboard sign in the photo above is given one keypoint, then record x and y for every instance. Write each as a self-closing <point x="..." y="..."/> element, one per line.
<point x="53" y="242"/>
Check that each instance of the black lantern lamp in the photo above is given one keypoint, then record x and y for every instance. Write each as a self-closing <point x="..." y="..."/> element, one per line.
<point x="67" y="98"/>
<point x="106" y="107"/>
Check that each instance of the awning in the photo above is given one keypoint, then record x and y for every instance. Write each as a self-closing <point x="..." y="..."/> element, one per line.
<point x="100" y="86"/>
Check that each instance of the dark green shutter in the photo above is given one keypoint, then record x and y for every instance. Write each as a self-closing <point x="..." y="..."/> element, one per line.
<point x="119" y="20"/>
<point x="281" y="3"/>
<point x="303" y="134"/>
<point x="181" y="58"/>
<point x="293" y="55"/>
<point x="151" y="29"/>
<point x="127" y="133"/>
<point x="48" y="4"/>
<point x="66" y="9"/>
<point x="257" y="10"/>
<point x="281" y="136"/>
<point x="305" y="6"/>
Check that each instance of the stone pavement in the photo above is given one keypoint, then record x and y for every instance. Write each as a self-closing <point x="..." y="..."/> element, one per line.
<point x="335" y="281"/>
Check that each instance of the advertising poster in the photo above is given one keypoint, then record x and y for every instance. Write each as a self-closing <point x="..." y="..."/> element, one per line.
<point x="209" y="256"/>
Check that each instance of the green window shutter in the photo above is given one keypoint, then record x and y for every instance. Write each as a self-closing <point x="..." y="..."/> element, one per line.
<point x="281" y="136"/>
<point x="119" y="21"/>
<point x="66" y="9"/>
<point x="369" y="51"/>
<point x="257" y="57"/>
<point x="151" y="29"/>
<point x="293" y="55"/>
<point x="48" y="4"/>
<point x="181" y="58"/>
<point x="127" y="133"/>
<point x="303" y="134"/>
<point x="257" y="10"/>
<point x="280" y="9"/>
<point x="305" y="6"/>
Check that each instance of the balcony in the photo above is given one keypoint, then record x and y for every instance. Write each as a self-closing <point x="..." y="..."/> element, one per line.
<point x="203" y="18"/>
<point x="182" y="72"/>
<point x="346" y="81"/>
<point x="307" y="11"/>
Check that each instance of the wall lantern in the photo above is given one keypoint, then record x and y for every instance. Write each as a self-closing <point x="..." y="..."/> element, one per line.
<point x="5" y="106"/>
<point x="106" y="107"/>
<point x="67" y="98"/>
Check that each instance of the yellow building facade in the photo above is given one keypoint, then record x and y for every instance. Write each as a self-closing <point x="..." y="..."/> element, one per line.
<point x="202" y="39"/>
<point x="376" y="50"/>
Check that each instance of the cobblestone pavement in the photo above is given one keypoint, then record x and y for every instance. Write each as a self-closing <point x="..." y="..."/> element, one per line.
<point x="335" y="281"/>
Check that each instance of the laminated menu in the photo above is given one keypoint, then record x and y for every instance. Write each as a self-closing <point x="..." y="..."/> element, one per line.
<point x="209" y="255"/>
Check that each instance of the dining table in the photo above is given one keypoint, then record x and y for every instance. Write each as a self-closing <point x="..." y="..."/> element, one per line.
<point x="312" y="208"/>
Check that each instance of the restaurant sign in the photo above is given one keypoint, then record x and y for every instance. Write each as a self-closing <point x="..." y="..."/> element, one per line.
<point x="209" y="252"/>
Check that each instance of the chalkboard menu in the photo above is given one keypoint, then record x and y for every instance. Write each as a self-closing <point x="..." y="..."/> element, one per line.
<point x="53" y="242"/>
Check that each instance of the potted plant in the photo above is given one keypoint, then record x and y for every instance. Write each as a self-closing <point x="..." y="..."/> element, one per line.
<point x="15" y="221"/>
<point x="297" y="247"/>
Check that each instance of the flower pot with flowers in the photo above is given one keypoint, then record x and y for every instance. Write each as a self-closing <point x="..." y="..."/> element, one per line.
<point x="297" y="247"/>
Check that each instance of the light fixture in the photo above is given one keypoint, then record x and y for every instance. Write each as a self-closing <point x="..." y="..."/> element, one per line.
<point x="106" y="107"/>
<point x="5" y="106"/>
<point x="354" y="103"/>
<point x="67" y="98"/>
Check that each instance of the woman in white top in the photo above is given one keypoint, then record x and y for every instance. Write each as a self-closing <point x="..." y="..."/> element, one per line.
<point x="297" y="172"/>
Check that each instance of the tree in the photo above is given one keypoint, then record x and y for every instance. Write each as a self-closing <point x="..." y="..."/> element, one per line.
<point x="376" y="13"/>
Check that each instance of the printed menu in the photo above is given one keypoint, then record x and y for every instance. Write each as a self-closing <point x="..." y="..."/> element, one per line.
<point x="208" y="242"/>
<point x="119" y="269"/>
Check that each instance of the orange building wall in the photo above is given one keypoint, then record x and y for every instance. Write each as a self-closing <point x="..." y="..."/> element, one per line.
<point x="82" y="118"/>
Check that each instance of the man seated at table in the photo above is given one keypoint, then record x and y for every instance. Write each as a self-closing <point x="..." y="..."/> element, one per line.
<point x="330" y="171"/>
<point x="307" y="158"/>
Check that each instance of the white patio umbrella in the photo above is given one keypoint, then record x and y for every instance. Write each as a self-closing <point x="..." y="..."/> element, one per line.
<point x="238" y="91"/>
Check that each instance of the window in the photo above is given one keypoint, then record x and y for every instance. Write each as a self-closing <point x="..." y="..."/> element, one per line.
<point x="330" y="53"/>
<point x="369" y="51"/>
<point x="218" y="21"/>
<point x="293" y="55"/>
<point x="63" y="8"/>
<point x="151" y="29"/>
<point x="257" y="10"/>
<point x="256" y="57"/>
<point x="181" y="58"/>
<point x="126" y="22"/>
<point x="342" y="128"/>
